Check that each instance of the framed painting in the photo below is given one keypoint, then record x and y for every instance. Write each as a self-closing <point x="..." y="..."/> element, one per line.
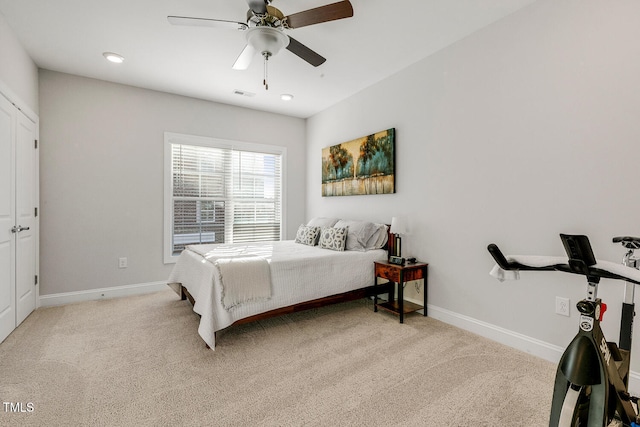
<point x="363" y="166"/>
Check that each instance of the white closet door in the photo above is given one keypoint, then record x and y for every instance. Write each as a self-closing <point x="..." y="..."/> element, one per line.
<point x="26" y="201"/>
<point x="7" y="219"/>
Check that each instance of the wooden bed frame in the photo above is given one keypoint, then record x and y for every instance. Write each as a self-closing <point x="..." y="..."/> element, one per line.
<point x="369" y="291"/>
<point x="366" y="292"/>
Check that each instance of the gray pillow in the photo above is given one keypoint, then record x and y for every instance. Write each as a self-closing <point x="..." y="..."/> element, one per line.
<point x="322" y="222"/>
<point x="359" y="233"/>
<point x="379" y="238"/>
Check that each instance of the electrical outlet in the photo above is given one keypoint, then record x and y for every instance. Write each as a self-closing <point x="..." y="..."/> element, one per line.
<point x="562" y="306"/>
<point x="122" y="262"/>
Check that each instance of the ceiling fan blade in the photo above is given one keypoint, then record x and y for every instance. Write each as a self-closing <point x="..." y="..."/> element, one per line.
<point x="203" y="22"/>
<point x="330" y="12"/>
<point x="245" y="58"/>
<point x="258" y="6"/>
<point x="304" y="52"/>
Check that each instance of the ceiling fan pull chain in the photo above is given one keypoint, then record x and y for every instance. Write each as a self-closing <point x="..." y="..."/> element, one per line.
<point x="266" y="68"/>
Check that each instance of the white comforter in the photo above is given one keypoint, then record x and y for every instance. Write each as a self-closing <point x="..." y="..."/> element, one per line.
<point x="298" y="273"/>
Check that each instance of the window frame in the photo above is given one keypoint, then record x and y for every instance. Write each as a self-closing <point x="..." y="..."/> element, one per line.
<point x="185" y="139"/>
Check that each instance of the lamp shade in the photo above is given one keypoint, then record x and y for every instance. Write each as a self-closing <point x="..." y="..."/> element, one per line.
<point x="398" y="226"/>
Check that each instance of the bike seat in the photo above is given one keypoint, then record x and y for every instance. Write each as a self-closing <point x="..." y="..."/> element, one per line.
<point x="628" y="241"/>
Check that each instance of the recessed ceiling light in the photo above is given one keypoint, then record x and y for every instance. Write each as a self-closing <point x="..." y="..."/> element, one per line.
<point x="286" y="97"/>
<point x="113" y="57"/>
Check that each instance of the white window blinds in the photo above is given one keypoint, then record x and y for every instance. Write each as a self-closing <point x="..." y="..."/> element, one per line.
<point x="256" y="196"/>
<point x="221" y="194"/>
<point x="199" y="195"/>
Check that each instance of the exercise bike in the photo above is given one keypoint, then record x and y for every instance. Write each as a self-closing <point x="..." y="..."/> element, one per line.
<point x="593" y="374"/>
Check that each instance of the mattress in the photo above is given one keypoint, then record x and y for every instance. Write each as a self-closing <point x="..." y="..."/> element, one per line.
<point x="299" y="273"/>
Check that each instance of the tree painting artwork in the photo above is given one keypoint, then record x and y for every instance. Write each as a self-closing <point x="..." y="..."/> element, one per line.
<point x="363" y="166"/>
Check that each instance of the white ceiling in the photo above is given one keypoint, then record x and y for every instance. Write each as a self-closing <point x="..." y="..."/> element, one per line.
<point x="382" y="37"/>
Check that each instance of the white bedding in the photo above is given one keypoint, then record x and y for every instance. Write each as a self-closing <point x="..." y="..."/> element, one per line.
<point x="299" y="273"/>
<point x="244" y="279"/>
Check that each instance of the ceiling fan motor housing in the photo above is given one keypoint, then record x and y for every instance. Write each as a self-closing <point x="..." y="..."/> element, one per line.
<point x="267" y="39"/>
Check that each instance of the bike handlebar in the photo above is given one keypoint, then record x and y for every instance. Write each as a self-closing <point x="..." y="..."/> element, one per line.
<point x="504" y="264"/>
<point x="594" y="272"/>
<point x="628" y="242"/>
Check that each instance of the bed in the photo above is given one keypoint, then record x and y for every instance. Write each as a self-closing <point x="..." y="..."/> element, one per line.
<point x="301" y="274"/>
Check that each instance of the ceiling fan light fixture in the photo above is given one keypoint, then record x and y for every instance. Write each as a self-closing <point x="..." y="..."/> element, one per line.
<point x="113" y="57"/>
<point x="286" y="97"/>
<point x="267" y="39"/>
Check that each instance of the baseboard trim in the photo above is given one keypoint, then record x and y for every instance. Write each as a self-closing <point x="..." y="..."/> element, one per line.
<point x="496" y="333"/>
<point x="518" y="341"/>
<point x="102" y="293"/>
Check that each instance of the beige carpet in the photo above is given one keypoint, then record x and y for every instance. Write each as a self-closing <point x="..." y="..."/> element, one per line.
<point x="139" y="361"/>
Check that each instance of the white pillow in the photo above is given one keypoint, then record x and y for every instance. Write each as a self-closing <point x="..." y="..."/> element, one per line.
<point x="322" y="222"/>
<point x="379" y="238"/>
<point x="333" y="238"/>
<point x="359" y="233"/>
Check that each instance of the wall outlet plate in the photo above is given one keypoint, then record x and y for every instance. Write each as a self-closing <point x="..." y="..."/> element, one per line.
<point x="562" y="306"/>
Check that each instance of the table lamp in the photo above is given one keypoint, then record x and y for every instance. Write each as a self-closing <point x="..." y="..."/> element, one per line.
<point x="397" y="227"/>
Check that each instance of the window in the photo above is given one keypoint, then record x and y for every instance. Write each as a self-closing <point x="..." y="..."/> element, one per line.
<point x="220" y="192"/>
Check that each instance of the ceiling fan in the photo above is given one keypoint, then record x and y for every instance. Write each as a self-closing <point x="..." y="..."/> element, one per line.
<point x="265" y="27"/>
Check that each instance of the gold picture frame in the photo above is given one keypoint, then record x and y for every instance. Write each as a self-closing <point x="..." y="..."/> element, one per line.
<point x="362" y="166"/>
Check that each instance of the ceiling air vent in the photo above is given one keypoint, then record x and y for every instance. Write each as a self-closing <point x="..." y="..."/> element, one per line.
<point x="243" y="93"/>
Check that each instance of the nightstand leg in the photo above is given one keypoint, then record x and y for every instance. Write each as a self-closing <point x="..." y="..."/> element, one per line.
<point x="424" y="295"/>
<point x="375" y="294"/>
<point x="401" y="297"/>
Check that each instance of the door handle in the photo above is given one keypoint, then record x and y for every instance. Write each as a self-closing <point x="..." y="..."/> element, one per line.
<point x="18" y="228"/>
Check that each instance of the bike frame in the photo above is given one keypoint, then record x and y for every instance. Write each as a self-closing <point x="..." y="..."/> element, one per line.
<point x="591" y="361"/>
<point x="626" y="322"/>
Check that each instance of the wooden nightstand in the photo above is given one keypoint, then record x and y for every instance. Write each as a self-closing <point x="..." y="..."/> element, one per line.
<point x="400" y="274"/>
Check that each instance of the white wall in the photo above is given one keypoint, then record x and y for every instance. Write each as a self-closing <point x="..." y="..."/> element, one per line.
<point x="101" y="175"/>
<point x="524" y="130"/>
<point x="18" y="73"/>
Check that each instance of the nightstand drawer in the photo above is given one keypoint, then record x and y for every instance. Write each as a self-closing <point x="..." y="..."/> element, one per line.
<point x="413" y="275"/>
<point x="387" y="272"/>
